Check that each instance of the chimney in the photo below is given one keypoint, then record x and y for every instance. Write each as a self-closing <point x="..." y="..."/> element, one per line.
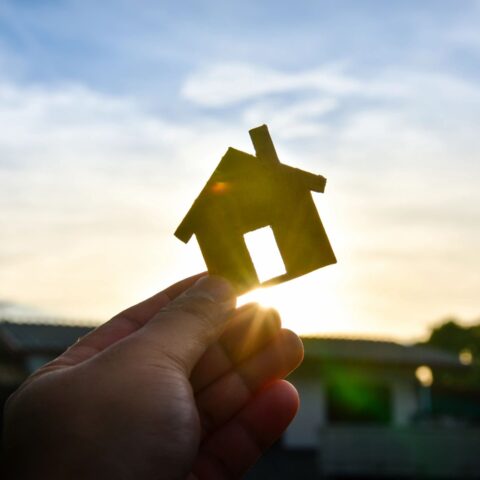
<point x="262" y="142"/>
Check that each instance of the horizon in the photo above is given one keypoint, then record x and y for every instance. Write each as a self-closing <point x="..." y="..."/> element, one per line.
<point x="113" y="117"/>
<point x="26" y="315"/>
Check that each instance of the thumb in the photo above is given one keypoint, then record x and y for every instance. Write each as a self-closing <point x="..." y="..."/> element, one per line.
<point x="184" y="329"/>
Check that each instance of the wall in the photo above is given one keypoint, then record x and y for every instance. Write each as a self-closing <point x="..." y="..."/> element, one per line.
<point x="303" y="433"/>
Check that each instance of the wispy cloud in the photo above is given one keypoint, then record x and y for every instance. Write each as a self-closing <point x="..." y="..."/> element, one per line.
<point x="106" y="136"/>
<point x="226" y="84"/>
<point x="82" y="173"/>
<point x="401" y="150"/>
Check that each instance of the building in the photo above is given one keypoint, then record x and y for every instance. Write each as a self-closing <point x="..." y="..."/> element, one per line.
<point x="365" y="414"/>
<point x="24" y="347"/>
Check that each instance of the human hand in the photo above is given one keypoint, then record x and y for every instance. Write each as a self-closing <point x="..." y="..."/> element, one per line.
<point x="178" y="386"/>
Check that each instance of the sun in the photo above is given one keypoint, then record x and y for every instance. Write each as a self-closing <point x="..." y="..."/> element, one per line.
<point x="308" y="305"/>
<point x="311" y="304"/>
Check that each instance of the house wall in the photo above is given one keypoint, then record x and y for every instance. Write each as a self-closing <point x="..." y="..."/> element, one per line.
<point x="430" y="452"/>
<point x="312" y="415"/>
<point x="303" y="431"/>
<point x="402" y="385"/>
<point x="405" y="401"/>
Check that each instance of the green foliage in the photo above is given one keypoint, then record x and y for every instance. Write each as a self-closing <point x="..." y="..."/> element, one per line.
<point x="455" y="338"/>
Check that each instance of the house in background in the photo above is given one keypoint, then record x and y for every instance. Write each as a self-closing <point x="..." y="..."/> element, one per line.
<point x="364" y="413"/>
<point x="26" y="345"/>
<point x="246" y="193"/>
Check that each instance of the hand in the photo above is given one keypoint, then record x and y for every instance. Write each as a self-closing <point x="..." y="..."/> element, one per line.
<point x="179" y="386"/>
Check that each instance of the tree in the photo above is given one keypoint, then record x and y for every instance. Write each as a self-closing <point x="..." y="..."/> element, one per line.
<point x="462" y="341"/>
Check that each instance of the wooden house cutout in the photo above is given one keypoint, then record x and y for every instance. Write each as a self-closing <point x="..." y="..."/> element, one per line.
<point x="247" y="192"/>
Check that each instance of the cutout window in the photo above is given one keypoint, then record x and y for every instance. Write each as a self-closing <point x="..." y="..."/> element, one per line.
<point x="264" y="252"/>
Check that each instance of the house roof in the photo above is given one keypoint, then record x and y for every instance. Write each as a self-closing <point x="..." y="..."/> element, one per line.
<point x="27" y="338"/>
<point x="229" y="163"/>
<point x="376" y="352"/>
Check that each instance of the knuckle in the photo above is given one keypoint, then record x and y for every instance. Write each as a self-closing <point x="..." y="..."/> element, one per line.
<point x="203" y="309"/>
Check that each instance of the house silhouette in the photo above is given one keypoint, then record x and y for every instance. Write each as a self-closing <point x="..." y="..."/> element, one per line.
<point x="247" y="192"/>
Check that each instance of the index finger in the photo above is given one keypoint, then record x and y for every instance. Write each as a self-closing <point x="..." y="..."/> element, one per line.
<point x="123" y="324"/>
<point x="144" y="311"/>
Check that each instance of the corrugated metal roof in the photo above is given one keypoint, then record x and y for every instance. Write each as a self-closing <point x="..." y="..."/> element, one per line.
<point x="21" y="338"/>
<point x="380" y="352"/>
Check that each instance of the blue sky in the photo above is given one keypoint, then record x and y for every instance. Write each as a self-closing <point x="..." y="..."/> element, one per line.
<point x="113" y="114"/>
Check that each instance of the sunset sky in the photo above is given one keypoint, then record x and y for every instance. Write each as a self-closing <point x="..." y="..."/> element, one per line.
<point x="113" y="114"/>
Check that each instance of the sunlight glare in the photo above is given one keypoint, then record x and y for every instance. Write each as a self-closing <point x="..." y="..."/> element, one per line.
<point x="308" y="305"/>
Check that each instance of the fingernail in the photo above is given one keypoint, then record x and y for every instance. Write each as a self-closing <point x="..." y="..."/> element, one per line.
<point x="215" y="289"/>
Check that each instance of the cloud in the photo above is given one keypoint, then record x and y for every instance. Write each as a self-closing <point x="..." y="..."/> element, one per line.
<point x="93" y="187"/>
<point x="292" y="120"/>
<point x="93" y="184"/>
<point x="392" y="115"/>
<point x="66" y="122"/>
<point x="229" y="84"/>
<point x="226" y="84"/>
<point x="86" y="179"/>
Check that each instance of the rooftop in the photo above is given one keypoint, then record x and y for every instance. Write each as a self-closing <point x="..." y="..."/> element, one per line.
<point x="374" y="351"/>
<point x="23" y="338"/>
